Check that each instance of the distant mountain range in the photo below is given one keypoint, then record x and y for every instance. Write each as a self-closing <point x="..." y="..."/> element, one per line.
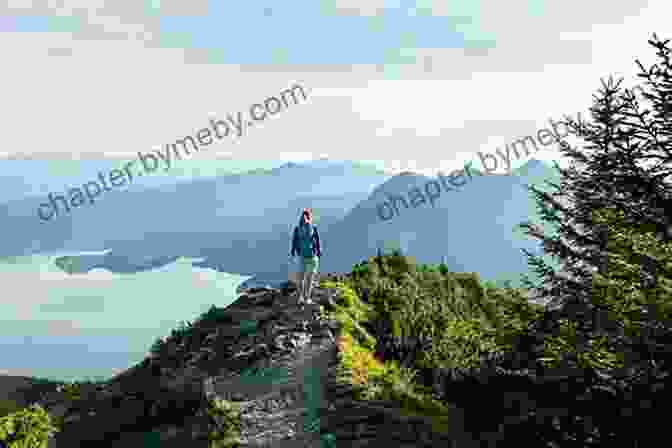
<point x="472" y="228"/>
<point x="241" y="223"/>
<point x="29" y="175"/>
<point x="181" y="219"/>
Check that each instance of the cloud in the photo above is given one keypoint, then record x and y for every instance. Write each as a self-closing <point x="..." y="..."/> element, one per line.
<point x="89" y="19"/>
<point x="517" y="66"/>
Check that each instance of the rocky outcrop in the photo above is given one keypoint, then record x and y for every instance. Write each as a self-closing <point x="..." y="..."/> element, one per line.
<point x="274" y="359"/>
<point x="264" y="333"/>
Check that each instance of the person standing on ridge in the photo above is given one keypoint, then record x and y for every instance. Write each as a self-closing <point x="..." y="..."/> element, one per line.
<point x="306" y="244"/>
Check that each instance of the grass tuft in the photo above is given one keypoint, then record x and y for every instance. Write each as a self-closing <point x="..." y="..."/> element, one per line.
<point x="225" y="416"/>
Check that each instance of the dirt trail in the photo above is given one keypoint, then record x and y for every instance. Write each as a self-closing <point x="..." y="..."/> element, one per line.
<point x="279" y="404"/>
<point x="263" y="352"/>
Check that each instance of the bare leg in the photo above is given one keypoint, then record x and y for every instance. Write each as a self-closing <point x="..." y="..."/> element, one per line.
<point x="310" y="276"/>
<point x="300" y="286"/>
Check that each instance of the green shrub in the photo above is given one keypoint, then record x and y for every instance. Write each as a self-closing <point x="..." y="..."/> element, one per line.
<point x="384" y="298"/>
<point x="27" y="428"/>
<point x="361" y="270"/>
<point x="421" y="316"/>
<point x="399" y="264"/>
<point x="345" y="299"/>
<point x="183" y="329"/>
<point x="349" y="303"/>
<point x="328" y="440"/>
<point x="427" y="268"/>
<point x="378" y="380"/>
<point x="248" y="327"/>
<point x="66" y="264"/>
<point x="462" y="345"/>
<point x="462" y="316"/>
<point x="155" y="349"/>
<point x="225" y="418"/>
<point x="382" y="380"/>
<point x="8" y="406"/>
<point x="214" y="315"/>
<point x="350" y="324"/>
<point x="390" y="265"/>
<point x="362" y="336"/>
<point x="72" y="390"/>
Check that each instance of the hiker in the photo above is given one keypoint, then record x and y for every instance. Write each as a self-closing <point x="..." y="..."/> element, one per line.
<point x="306" y="244"/>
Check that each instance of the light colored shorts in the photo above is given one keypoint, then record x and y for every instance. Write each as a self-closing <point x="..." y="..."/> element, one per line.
<point x="309" y="264"/>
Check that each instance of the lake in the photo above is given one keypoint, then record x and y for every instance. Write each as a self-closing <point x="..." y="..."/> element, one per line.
<point x="96" y="324"/>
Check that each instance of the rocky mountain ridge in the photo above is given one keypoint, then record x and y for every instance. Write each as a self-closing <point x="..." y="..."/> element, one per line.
<point x="276" y="362"/>
<point x="229" y="357"/>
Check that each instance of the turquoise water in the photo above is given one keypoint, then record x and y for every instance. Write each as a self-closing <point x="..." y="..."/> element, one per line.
<point x="92" y="326"/>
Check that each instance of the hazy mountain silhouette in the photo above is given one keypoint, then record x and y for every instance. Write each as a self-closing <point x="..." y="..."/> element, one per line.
<point x="235" y="203"/>
<point x="472" y="228"/>
<point x="223" y="218"/>
<point x="28" y="177"/>
<point x="24" y="233"/>
<point x="242" y="223"/>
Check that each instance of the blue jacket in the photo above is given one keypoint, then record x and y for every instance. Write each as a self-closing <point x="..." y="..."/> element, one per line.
<point x="316" y="242"/>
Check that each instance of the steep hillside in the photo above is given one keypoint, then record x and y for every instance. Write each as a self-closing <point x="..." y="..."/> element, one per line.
<point x="163" y="397"/>
<point x="266" y="363"/>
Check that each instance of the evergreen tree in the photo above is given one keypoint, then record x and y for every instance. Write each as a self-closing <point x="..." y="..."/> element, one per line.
<point x="608" y="171"/>
<point x="643" y="307"/>
<point x="612" y="209"/>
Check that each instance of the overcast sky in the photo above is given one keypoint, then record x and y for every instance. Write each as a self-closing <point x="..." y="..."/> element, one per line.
<point x="419" y="85"/>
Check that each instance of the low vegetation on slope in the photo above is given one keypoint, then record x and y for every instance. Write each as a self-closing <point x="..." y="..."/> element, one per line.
<point x="225" y="420"/>
<point x="375" y="378"/>
<point x="26" y="428"/>
<point x="400" y="320"/>
<point x="429" y="339"/>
